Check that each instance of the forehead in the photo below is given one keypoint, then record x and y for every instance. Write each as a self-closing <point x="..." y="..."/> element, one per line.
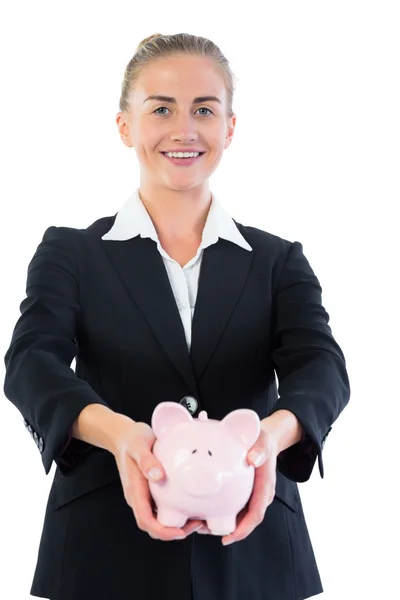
<point x="183" y="77"/>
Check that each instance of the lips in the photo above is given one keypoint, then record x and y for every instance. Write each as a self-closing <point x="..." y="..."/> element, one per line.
<point x="186" y="162"/>
<point x="187" y="150"/>
<point x="200" y="153"/>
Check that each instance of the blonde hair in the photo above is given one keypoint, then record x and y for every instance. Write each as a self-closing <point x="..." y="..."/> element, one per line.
<point x="158" y="46"/>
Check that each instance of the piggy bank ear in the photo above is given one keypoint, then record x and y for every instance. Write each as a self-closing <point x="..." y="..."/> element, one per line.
<point x="166" y="416"/>
<point x="244" y="424"/>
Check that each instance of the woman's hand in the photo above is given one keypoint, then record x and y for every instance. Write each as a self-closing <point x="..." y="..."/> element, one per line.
<point x="134" y="458"/>
<point x="279" y="431"/>
<point x="264" y="487"/>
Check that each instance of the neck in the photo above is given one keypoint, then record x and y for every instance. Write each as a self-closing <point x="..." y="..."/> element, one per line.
<point x="177" y="214"/>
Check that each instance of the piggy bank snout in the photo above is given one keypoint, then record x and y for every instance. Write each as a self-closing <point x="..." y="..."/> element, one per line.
<point x="199" y="480"/>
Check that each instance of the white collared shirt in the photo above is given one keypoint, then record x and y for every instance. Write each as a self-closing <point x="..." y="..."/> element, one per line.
<point x="133" y="219"/>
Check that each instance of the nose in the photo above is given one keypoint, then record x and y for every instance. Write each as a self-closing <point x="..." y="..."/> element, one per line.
<point x="201" y="481"/>
<point x="186" y="129"/>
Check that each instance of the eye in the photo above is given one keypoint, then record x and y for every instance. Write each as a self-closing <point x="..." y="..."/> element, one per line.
<point x="204" y="108"/>
<point x="161" y="115"/>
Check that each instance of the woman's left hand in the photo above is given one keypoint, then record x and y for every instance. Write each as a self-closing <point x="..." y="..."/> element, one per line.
<point x="263" y="490"/>
<point x="264" y="487"/>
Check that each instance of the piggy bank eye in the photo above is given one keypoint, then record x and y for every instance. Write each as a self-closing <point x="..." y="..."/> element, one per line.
<point x="209" y="453"/>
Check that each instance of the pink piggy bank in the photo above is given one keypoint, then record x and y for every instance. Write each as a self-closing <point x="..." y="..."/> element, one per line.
<point x="207" y="475"/>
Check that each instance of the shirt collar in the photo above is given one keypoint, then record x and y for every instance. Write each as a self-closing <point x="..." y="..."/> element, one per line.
<point x="133" y="220"/>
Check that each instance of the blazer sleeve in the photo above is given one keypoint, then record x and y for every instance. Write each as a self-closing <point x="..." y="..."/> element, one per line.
<point x="310" y="365"/>
<point x="39" y="380"/>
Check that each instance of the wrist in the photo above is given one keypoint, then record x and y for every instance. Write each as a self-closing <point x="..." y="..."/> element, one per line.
<point x="101" y="426"/>
<point x="117" y="431"/>
<point x="285" y="427"/>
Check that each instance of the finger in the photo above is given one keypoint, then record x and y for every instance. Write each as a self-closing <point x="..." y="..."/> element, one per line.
<point x="263" y="449"/>
<point x="150" y="467"/>
<point x="138" y="497"/>
<point x="256" y="457"/>
<point x="145" y="507"/>
<point x="143" y="511"/>
<point x="253" y="517"/>
<point x="192" y="526"/>
<point x="204" y="530"/>
<point x="262" y="496"/>
<point x="242" y="514"/>
<point x="140" y="450"/>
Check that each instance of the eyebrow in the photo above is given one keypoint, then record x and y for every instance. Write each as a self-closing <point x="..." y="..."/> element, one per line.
<point x="173" y="100"/>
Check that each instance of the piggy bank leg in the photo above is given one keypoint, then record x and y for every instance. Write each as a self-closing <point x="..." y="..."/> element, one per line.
<point x="221" y="525"/>
<point x="171" y="518"/>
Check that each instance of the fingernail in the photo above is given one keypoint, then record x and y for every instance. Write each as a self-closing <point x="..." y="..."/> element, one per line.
<point x="182" y="537"/>
<point x="228" y="542"/>
<point x="257" y="458"/>
<point x="155" y="474"/>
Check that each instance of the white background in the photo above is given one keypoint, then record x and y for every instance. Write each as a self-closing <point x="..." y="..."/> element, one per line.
<point x="315" y="158"/>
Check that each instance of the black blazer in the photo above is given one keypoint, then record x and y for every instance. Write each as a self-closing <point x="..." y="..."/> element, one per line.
<point x="110" y="304"/>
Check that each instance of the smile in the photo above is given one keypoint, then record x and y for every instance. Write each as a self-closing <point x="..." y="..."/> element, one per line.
<point x="183" y="161"/>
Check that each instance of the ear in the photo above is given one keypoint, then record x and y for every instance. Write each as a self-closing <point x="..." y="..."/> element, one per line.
<point x="230" y="131"/>
<point x="124" y="130"/>
<point x="244" y="424"/>
<point x="166" y="416"/>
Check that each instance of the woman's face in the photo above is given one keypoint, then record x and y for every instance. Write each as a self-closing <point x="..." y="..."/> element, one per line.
<point x="154" y="126"/>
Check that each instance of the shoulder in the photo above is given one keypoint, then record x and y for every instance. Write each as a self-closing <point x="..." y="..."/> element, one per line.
<point x="67" y="245"/>
<point x="264" y="241"/>
<point x="70" y="235"/>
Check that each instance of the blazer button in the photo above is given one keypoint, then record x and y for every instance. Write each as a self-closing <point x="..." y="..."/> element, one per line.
<point x="35" y="437"/>
<point x="40" y="445"/>
<point x="28" y="427"/>
<point x="190" y="403"/>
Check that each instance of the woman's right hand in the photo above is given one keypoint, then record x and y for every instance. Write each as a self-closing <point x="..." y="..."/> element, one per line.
<point x="134" y="458"/>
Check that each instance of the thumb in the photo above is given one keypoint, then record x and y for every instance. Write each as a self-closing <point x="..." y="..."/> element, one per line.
<point x="148" y="464"/>
<point x="257" y="456"/>
<point x="155" y="473"/>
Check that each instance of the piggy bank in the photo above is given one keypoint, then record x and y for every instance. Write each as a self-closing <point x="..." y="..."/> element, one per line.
<point x="207" y="475"/>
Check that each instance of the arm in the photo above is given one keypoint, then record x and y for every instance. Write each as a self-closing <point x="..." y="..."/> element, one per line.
<point x="311" y="368"/>
<point x="98" y="425"/>
<point x="286" y="428"/>
<point x="39" y="380"/>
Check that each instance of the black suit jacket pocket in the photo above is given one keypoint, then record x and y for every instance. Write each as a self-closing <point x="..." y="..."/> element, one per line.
<point x="97" y="470"/>
<point x="286" y="491"/>
<point x="100" y="469"/>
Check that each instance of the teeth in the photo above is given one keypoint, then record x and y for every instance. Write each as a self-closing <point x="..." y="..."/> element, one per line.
<point x="182" y="154"/>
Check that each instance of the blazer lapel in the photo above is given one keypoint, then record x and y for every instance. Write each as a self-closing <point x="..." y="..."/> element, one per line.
<point x="224" y="270"/>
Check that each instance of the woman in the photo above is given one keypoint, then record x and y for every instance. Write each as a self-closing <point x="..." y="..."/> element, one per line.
<point x="120" y="296"/>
